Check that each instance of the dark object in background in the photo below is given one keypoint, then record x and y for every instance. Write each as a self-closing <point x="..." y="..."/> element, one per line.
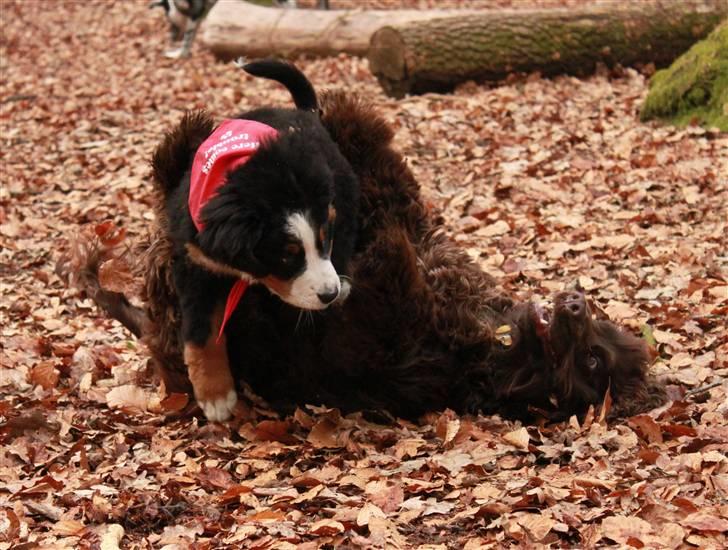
<point x="184" y="18"/>
<point x="423" y="328"/>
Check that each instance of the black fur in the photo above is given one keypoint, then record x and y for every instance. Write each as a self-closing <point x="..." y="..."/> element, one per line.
<point x="304" y="96"/>
<point x="301" y="170"/>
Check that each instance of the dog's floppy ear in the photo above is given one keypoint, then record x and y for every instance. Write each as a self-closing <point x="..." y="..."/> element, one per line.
<point x="232" y="230"/>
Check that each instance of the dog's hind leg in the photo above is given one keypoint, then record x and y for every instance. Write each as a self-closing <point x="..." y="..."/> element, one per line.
<point x="187" y="38"/>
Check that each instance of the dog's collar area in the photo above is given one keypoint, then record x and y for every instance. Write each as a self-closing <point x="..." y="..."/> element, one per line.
<point x="198" y="257"/>
<point x="244" y="280"/>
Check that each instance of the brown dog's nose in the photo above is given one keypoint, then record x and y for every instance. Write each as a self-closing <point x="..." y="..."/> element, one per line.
<point x="574" y="304"/>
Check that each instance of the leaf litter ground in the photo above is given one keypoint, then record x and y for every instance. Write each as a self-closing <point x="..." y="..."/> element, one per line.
<point x="545" y="182"/>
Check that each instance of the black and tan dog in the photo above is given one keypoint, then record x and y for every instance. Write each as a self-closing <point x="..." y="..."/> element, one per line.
<point x="423" y="328"/>
<point x="184" y="17"/>
<point x="264" y="199"/>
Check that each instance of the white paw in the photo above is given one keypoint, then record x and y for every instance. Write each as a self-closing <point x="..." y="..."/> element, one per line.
<point x="176" y="54"/>
<point x="217" y="410"/>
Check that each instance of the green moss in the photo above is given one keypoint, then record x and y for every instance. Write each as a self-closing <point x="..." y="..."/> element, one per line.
<point x="695" y="86"/>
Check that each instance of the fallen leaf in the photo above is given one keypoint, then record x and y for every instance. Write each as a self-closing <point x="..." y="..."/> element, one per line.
<point x="622" y="529"/>
<point x="327" y="527"/>
<point x="647" y="428"/>
<point x="518" y="438"/>
<point x="706" y="521"/>
<point x="127" y="396"/>
<point x="537" y="525"/>
<point x="111" y="538"/>
<point x="368" y="510"/>
<point x="45" y="375"/>
<point x="68" y="527"/>
<point x="175" y="402"/>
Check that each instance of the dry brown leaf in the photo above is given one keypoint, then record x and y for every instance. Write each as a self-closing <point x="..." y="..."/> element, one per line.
<point x="368" y="510"/>
<point x="68" y="527"/>
<point x="174" y="402"/>
<point x="647" y="428"/>
<point x="45" y="375"/>
<point x="537" y="525"/>
<point x="111" y="537"/>
<point x="327" y="527"/>
<point x="273" y="430"/>
<point x="128" y="396"/>
<point x="324" y="434"/>
<point x="518" y="438"/>
<point x="706" y="521"/>
<point x="447" y="428"/>
<point x="622" y="529"/>
<point x="115" y="276"/>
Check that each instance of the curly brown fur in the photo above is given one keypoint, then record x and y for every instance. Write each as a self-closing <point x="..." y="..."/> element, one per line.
<point x="389" y="192"/>
<point x="162" y="306"/>
<point x="79" y="267"/>
<point x="173" y="156"/>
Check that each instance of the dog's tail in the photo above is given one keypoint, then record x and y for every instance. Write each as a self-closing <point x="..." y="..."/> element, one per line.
<point x="80" y="267"/>
<point x="304" y="95"/>
<point x="173" y="157"/>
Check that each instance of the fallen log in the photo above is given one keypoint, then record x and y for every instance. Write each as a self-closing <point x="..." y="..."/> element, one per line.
<point x="236" y="28"/>
<point x="435" y="55"/>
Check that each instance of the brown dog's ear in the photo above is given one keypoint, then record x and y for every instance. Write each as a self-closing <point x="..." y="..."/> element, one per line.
<point x="638" y="396"/>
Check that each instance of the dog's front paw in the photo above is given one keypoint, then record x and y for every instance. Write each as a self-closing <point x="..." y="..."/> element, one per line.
<point x="178" y="53"/>
<point x="211" y="380"/>
<point x="218" y="409"/>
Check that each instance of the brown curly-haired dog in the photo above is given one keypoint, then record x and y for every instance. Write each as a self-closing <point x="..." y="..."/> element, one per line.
<point x="423" y="327"/>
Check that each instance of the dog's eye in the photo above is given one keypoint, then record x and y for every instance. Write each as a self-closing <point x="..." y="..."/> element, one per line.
<point x="592" y="363"/>
<point x="291" y="251"/>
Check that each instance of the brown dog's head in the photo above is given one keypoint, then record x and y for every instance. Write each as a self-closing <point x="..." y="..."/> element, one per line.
<point x="590" y="355"/>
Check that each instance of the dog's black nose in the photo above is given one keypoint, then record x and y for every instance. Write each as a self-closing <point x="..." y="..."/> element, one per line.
<point x="328" y="296"/>
<point x="574" y="303"/>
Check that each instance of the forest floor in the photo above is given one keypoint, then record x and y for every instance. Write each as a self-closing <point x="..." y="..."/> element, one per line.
<point x="545" y="182"/>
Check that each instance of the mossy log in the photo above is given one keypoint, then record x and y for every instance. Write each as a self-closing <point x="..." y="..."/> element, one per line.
<point x="695" y="87"/>
<point x="234" y="28"/>
<point x="436" y="55"/>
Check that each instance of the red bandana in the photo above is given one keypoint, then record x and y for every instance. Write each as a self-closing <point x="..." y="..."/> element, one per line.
<point x="232" y="144"/>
